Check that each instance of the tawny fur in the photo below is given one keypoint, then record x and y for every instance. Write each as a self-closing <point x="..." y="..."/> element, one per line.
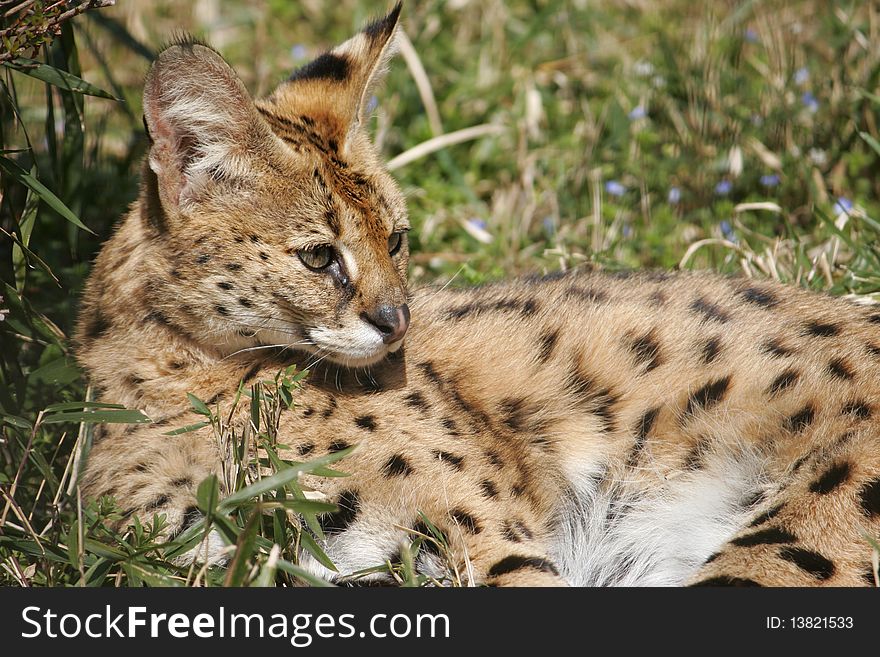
<point x="582" y="428"/>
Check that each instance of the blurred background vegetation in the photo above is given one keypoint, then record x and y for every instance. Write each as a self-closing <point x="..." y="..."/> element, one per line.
<point x="739" y="136"/>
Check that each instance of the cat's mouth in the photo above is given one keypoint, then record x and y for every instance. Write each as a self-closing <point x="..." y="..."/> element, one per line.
<point x="360" y="346"/>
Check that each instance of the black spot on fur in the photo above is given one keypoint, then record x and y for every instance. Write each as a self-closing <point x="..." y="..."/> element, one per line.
<point x="513" y="413"/>
<point x="450" y="426"/>
<point x="840" y="369"/>
<point x="327" y="67"/>
<point x="159" y="502"/>
<point x="157" y="317"/>
<point x="783" y="382"/>
<point x="203" y="258"/>
<point x="526" y="308"/>
<point x="452" y="459"/>
<point x="801" y="420"/>
<point x="546" y="345"/>
<point x="870" y="496"/>
<point x="225" y="285"/>
<point x="776" y="349"/>
<point x="647" y="351"/>
<point x="367" y="422"/>
<point x="759" y="297"/>
<point x="182" y="482"/>
<point x="874" y="319"/>
<point x="769" y="536"/>
<point x="874" y="350"/>
<point x="605" y="402"/>
<point x="221" y="310"/>
<point x="643" y="428"/>
<point x="264" y="256"/>
<point x="381" y="29"/>
<point x="495" y="459"/>
<point x="466" y="520"/>
<point x="397" y="466"/>
<point x="508" y="533"/>
<point x="832" y="478"/>
<point x="349" y="504"/>
<point x="858" y="409"/>
<point x="517" y="562"/>
<point x="586" y="294"/>
<point x="707" y="396"/>
<point x="726" y="580"/>
<point x="711" y="349"/>
<point x="821" y="329"/>
<point x="769" y="514"/>
<point x="305" y="449"/>
<point x="694" y="458"/>
<point x="191" y="516"/>
<point x="490" y="490"/>
<point x="417" y="400"/>
<point x="233" y="266"/>
<point x="337" y="446"/>
<point x="428" y="545"/>
<point x="812" y="562"/>
<point x="712" y="557"/>
<point x="96" y="325"/>
<point x="331" y="408"/>
<point x="710" y="310"/>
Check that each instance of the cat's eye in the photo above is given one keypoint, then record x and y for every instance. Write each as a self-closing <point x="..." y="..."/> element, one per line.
<point x="317" y="258"/>
<point x="394" y="242"/>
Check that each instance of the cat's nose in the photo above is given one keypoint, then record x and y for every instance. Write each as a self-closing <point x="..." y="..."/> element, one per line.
<point x="391" y="322"/>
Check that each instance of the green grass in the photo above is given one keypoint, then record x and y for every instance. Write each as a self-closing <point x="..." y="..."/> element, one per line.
<point x="736" y="136"/>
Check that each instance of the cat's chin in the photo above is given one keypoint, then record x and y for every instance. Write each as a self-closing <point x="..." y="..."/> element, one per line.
<point x="352" y="361"/>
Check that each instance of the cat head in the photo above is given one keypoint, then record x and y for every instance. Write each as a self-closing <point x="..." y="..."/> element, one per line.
<point x="276" y="221"/>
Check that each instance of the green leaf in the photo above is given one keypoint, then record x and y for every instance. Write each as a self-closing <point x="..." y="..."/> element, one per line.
<point x="58" y="372"/>
<point x="57" y="77"/>
<point x="302" y="574"/>
<point x="198" y="405"/>
<point x="873" y="143"/>
<point x="280" y="479"/>
<point x="25" y="178"/>
<point x="187" y="429"/>
<point x="16" y="421"/>
<point x="315" y="550"/>
<point x="207" y="495"/>
<point x="75" y="406"/>
<point x="127" y="416"/>
<point x="244" y="550"/>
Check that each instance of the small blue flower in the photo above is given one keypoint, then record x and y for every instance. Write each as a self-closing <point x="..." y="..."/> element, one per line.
<point x="801" y="75"/>
<point x="372" y="104"/>
<point x="549" y="226"/>
<point x="637" y="113"/>
<point x="627" y="230"/>
<point x="810" y="102"/>
<point x="477" y="223"/>
<point x="299" y="52"/>
<point x="843" y="206"/>
<point x="723" y="188"/>
<point x="727" y="230"/>
<point x="751" y="36"/>
<point x="770" y="180"/>
<point x="674" y="195"/>
<point x="615" y="188"/>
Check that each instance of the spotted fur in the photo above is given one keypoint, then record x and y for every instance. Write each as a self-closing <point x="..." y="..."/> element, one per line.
<point x="579" y="428"/>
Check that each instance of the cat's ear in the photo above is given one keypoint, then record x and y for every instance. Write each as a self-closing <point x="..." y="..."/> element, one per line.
<point x="335" y="89"/>
<point x="202" y="124"/>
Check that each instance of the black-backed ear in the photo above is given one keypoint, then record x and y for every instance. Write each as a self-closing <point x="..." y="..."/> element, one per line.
<point x="201" y="121"/>
<point x="335" y="88"/>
